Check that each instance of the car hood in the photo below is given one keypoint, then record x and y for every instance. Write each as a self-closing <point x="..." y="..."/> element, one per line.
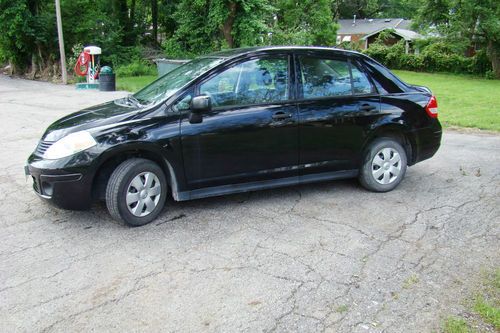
<point x="114" y="112"/>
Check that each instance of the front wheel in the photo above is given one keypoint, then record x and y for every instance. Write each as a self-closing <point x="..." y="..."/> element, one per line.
<point x="384" y="165"/>
<point x="136" y="192"/>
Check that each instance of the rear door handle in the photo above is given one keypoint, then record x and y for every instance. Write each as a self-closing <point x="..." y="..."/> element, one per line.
<point x="280" y="115"/>
<point x="367" y="107"/>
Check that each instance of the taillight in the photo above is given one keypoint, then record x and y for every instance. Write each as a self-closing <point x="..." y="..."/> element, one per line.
<point x="432" y="107"/>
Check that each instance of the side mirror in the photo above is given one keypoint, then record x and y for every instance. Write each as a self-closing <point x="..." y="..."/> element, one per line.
<point x="201" y="104"/>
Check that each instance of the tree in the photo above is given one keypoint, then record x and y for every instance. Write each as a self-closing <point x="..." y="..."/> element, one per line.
<point x="204" y="25"/>
<point x="346" y="9"/>
<point x="154" y="19"/>
<point x="434" y="12"/>
<point x="28" y="30"/>
<point x="166" y="21"/>
<point x="360" y="8"/>
<point x="308" y="22"/>
<point x="467" y="24"/>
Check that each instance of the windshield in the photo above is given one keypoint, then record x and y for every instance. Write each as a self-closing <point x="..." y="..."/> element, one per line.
<point x="170" y="83"/>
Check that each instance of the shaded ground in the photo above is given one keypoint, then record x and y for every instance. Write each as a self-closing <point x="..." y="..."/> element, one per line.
<point x="325" y="257"/>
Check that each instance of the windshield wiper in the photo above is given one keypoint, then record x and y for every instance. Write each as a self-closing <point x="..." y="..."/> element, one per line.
<point x="134" y="100"/>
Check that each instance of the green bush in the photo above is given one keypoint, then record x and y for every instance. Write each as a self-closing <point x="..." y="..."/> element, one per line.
<point x="135" y="68"/>
<point x="118" y="55"/>
<point x="173" y="50"/>
<point x="490" y="75"/>
<point x="481" y="63"/>
<point x="434" y="57"/>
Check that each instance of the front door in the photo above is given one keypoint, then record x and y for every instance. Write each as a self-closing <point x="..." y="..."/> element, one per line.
<point x="251" y="133"/>
<point x="337" y="104"/>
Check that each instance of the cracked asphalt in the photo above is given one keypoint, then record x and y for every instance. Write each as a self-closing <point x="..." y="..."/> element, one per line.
<point x="324" y="257"/>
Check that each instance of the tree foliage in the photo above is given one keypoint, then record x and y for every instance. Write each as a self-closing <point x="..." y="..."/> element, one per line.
<point x="25" y="27"/>
<point x="29" y="36"/>
<point x="308" y="22"/>
<point x="126" y="29"/>
<point x="434" y="57"/>
<point x="375" y="8"/>
<point x="204" y="25"/>
<point x="466" y="25"/>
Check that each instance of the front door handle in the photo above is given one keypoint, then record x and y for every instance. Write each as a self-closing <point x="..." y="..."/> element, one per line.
<point x="367" y="107"/>
<point x="280" y="115"/>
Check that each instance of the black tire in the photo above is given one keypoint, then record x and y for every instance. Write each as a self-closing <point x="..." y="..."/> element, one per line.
<point x="118" y="186"/>
<point x="368" y="179"/>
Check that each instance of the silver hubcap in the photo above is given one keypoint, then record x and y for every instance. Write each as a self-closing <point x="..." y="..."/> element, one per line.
<point x="386" y="166"/>
<point x="143" y="194"/>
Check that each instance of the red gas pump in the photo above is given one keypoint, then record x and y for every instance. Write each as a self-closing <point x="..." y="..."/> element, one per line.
<point x="88" y="65"/>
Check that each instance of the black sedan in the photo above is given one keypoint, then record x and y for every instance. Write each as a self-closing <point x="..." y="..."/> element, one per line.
<point x="236" y="121"/>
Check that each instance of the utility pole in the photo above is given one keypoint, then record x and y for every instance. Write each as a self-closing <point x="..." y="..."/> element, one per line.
<point x="61" y="42"/>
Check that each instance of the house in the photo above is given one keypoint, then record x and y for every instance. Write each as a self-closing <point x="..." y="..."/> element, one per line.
<point x="366" y="31"/>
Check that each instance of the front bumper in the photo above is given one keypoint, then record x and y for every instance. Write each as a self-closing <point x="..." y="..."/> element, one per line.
<point x="65" y="189"/>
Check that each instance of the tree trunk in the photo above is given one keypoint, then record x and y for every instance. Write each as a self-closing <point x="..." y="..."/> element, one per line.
<point x="131" y="19"/>
<point x="120" y="11"/>
<point x="494" y="55"/>
<point x="41" y="62"/>
<point x="227" y="28"/>
<point x="33" y="67"/>
<point x="336" y="9"/>
<point x="154" y="18"/>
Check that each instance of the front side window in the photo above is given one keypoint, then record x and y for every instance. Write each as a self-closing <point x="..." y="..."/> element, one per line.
<point x="184" y="103"/>
<point x="252" y="82"/>
<point x="171" y="82"/>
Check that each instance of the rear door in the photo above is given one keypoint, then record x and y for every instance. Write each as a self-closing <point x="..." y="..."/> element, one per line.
<point x="251" y="134"/>
<point x="337" y="104"/>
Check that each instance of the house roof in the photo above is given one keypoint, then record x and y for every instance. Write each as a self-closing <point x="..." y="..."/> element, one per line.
<point x="405" y="34"/>
<point x="368" y="26"/>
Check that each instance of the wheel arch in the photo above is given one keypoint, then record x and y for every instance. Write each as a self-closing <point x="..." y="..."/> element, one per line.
<point x="113" y="157"/>
<point x="399" y="132"/>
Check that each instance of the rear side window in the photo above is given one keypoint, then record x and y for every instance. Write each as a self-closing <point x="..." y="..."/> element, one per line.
<point x="360" y="83"/>
<point x="332" y="77"/>
<point x="325" y="77"/>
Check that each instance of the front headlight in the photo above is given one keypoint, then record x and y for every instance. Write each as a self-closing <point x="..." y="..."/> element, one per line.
<point x="69" y="145"/>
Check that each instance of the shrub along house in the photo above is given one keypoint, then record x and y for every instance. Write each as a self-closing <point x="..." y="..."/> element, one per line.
<point x="366" y="31"/>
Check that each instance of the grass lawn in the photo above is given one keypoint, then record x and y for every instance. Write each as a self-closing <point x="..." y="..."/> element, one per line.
<point x="134" y="83"/>
<point x="483" y="309"/>
<point x="464" y="101"/>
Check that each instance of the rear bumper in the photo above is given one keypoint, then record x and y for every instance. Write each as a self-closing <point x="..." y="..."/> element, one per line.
<point x="63" y="188"/>
<point x="427" y="142"/>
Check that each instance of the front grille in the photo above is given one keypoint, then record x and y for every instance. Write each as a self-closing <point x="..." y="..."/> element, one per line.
<point x="42" y="147"/>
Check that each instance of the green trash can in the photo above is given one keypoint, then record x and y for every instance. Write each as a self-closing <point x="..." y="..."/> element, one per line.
<point x="107" y="79"/>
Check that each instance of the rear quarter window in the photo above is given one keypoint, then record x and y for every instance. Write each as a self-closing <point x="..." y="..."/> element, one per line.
<point x="385" y="81"/>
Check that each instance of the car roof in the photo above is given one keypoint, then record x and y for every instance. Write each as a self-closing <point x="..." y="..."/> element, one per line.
<point x="232" y="53"/>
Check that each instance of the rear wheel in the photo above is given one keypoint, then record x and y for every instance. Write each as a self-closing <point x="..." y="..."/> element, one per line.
<point x="136" y="192"/>
<point x="384" y="165"/>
